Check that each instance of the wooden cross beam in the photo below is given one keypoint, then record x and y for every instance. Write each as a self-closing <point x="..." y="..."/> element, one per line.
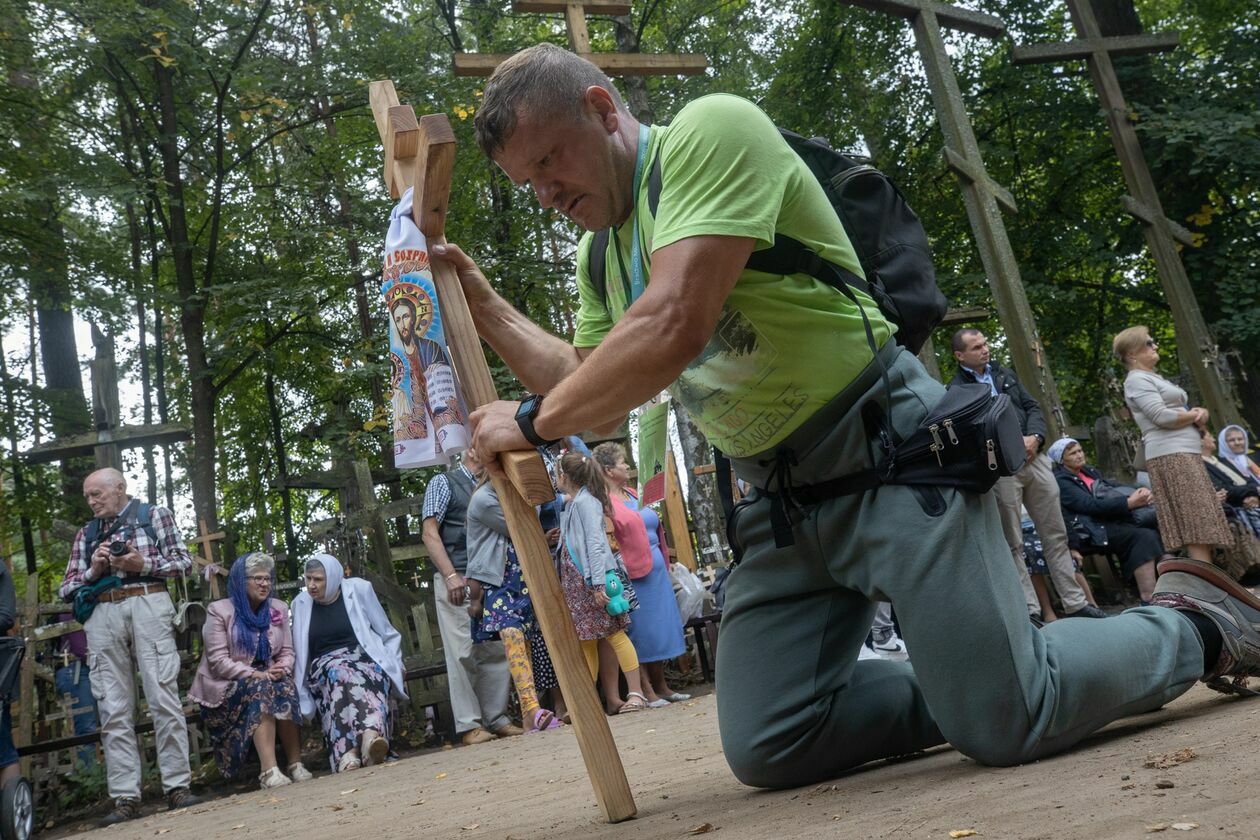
<point x="428" y="173"/>
<point x="1143" y="201"/>
<point x="613" y="64"/>
<point x="983" y="197"/>
<point x="206" y="560"/>
<point x="676" y="515"/>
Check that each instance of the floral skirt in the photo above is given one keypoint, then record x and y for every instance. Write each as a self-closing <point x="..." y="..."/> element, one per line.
<point x="590" y="619"/>
<point x="506" y="605"/>
<point x="351" y="694"/>
<point x="231" y="724"/>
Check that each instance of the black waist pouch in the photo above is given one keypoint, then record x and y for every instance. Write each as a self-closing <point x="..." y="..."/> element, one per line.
<point x="969" y="440"/>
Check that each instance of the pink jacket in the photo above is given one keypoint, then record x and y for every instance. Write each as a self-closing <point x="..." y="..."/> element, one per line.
<point x="221" y="665"/>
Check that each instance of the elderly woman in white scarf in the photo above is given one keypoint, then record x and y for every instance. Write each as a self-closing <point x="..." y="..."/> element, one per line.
<point x="349" y="662"/>
<point x="1232" y="444"/>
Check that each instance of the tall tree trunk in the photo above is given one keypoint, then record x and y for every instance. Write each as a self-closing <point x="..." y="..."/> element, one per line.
<point x="192" y="310"/>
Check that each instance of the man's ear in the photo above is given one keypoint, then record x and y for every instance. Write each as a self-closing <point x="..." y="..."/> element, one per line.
<point x="601" y="101"/>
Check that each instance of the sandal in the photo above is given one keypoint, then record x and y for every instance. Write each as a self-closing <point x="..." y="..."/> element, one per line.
<point x="635" y="702"/>
<point x="349" y="761"/>
<point x="544" y="719"/>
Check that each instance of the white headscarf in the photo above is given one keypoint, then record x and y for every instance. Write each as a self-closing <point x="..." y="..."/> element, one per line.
<point x="332" y="575"/>
<point x="1238" y="459"/>
<point x="1056" y="450"/>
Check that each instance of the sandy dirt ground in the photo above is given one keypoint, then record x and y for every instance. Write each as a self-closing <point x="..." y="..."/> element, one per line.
<point x="535" y="787"/>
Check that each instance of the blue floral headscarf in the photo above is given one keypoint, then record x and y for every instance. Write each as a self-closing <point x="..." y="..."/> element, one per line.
<point x="249" y="629"/>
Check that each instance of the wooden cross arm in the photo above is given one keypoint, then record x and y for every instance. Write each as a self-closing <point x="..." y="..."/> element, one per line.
<point x="1145" y="214"/>
<point x="1085" y="47"/>
<point x="974" y="173"/>
<point x="614" y="8"/>
<point x="953" y="17"/>
<point x="614" y="64"/>
<point x="156" y="434"/>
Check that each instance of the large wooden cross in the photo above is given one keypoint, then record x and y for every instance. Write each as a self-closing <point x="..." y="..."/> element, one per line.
<point x="1162" y="235"/>
<point x="421" y="155"/>
<point x="983" y="197"/>
<point x="112" y="436"/>
<point x="614" y="64"/>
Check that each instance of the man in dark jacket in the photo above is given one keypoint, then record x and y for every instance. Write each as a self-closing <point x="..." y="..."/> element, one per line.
<point x="1034" y="486"/>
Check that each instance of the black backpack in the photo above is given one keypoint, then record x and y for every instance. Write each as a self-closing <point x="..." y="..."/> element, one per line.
<point x="886" y="234"/>
<point x="139" y="515"/>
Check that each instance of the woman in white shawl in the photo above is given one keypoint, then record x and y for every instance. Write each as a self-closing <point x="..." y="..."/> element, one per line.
<point x="349" y="661"/>
<point x="1232" y="445"/>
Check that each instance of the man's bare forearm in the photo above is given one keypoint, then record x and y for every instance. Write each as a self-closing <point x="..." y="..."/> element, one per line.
<point x="538" y="358"/>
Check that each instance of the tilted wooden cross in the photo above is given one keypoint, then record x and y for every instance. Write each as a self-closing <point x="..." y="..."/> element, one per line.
<point x="983" y="197"/>
<point x="614" y="64"/>
<point x="421" y="155"/>
<point x="676" y="515"/>
<point x="207" y="560"/>
<point x="1143" y="203"/>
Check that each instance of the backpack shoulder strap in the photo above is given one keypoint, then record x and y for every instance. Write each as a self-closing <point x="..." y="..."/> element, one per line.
<point x="595" y="265"/>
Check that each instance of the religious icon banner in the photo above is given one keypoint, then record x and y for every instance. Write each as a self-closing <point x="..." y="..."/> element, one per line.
<point x="653" y="449"/>
<point x="429" y="413"/>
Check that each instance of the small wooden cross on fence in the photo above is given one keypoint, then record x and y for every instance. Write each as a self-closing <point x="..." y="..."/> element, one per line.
<point x="206" y="561"/>
<point x="421" y="155"/>
<point x="984" y="197"/>
<point x="614" y="64"/>
<point x="1143" y="201"/>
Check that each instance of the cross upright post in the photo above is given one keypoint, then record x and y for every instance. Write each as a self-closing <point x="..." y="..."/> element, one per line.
<point x="427" y="170"/>
<point x="984" y="198"/>
<point x="1162" y="235"/>
<point x="614" y="64"/>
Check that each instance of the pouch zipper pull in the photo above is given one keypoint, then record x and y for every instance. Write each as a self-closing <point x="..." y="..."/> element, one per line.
<point x="949" y="428"/>
<point x="988" y="445"/>
<point x="936" y="446"/>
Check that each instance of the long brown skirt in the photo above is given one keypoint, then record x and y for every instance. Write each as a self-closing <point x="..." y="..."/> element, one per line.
<point x="1185" y="502"/>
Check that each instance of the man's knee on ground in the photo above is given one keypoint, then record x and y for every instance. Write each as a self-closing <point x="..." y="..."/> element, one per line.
<point x="993" y="754"/>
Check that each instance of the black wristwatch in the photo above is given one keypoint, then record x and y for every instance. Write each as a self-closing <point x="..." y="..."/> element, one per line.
<point x="525" y="420"/>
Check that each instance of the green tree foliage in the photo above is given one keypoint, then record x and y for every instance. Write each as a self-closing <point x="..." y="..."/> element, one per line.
<point x="249" y="119"/>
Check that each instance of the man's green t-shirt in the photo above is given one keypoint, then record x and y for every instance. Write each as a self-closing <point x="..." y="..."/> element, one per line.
<point x="784" y="345"/>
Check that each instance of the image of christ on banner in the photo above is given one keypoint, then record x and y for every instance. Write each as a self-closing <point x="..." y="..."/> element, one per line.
<point x="429" y="413"/>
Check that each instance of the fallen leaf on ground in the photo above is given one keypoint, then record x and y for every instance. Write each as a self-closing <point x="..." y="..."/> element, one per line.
<point x="162" y="831"/>
<point x="1185" y="826"/>
<point x="471" y="826"/>
<point x="963" y="832"/>
<point x="1163" y="761"/>
<point x="703" y="828"/>
<point x="242" y="825"/>
<point x="1164" y="784"/>
<point x="1151" y="829"/>
<point x="337" y="807"/>
<point x="348" y="792"/>
<point x="440" y="776"/>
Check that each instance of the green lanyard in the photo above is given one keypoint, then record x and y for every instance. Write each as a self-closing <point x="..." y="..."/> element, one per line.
<point x="635" y="283"/>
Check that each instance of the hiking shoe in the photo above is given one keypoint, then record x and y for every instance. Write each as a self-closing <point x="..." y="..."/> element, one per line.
<point x="508" y="730"/>
<point x="1193" y="586"/>
<point x="273" y="778"/>
<point x="299" y="773"/>
<point x="124" y="809"/>
<point x="375" y="748"/>
<point x="182" y="798"/>
<point x="476" y="736"/>
<point x="1087" y="611"/>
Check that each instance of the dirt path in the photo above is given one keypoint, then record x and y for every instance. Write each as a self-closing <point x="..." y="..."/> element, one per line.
<point x="535" y="787"/>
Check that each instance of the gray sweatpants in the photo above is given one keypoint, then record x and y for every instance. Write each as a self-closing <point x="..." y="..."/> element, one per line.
<point x="795" y="706"/>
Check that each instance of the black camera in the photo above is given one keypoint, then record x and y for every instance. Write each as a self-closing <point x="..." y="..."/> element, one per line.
<point x="118" y="548"/>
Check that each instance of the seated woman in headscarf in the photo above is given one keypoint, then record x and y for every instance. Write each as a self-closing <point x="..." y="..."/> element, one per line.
<point x="244" y="682"/>
<point x="349" y="661"/>
<point x="1099" y="514"/>
<point x="1234" y="487"/>
<point x="1233" y="445"/>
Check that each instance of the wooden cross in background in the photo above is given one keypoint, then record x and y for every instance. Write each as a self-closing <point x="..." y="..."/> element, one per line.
<point x="206" y="561"/>
<point x="421" y="155"/>
<point x="614" y="64"/>
<point x="984" y="197"/>
<point x="1193" y="338"/>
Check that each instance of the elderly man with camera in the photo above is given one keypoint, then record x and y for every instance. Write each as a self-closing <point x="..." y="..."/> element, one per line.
<point x="116" y="579"/>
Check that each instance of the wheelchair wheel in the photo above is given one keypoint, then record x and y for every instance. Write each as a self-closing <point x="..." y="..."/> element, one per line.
<point x="17" y="810"/>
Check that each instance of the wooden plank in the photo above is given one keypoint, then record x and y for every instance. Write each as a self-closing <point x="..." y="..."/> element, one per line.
<point x="126" y="437"/>
<point x="612" y="8"/>
<point x="974" y="172"/>
<point x="47" y="632"/>
<point x="614" y="64"/>
<point x="676" y="516"/>
<point x="953" y="17"/>
<point x="599" y="752"/>
<point x="575" y="20"/>
<point x="26" y="679"/>
<point x="1145" y="214"/>
<point x="964" y="315"/>
<point x="1079" y="48"/>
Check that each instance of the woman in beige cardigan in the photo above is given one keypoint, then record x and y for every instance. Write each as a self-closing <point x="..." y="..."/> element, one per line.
<point x="244" y="682"/>
<point x="1186" y="507"/>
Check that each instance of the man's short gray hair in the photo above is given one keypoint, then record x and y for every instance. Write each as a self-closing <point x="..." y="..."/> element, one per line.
<point x="545" y="81"/>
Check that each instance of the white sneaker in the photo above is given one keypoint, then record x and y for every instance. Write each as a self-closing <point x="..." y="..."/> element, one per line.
<point x="893" y="644"/>
<point x="866" y="653"/>
<point x="273" y="778"/>
<point x="299" y="773"/>
<point x="375" y="748"/>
